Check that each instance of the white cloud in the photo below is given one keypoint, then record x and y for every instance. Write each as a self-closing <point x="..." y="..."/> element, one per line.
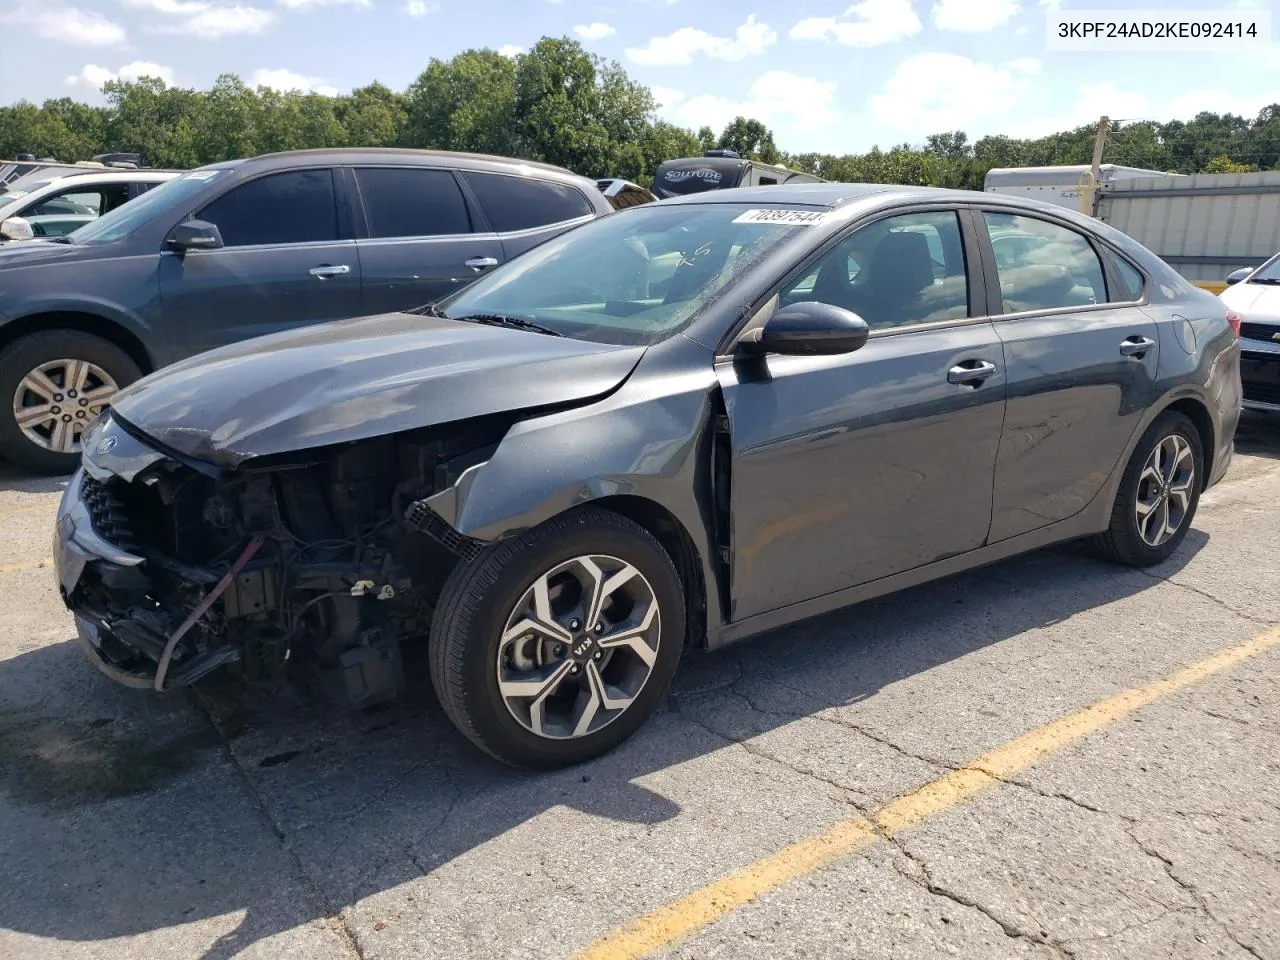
<point x="1053" y="5"/>
<point x="1186" y="105"/>
<point x="93" y="76"/>
<point x="789" y="104"/>
<point x="286" y="81"/>
<point x="420" y="8"/>
<point x="212" y="19"/>
<point x="683" y="45"/>
<point x="918" y="101"/>
<point x="594" y="31"/>
<point x="307" y="4"/>
<point x="974" y="16"/>
<point x="510" y="50"/>
<point x="866" y="24"/>
<point x="666" y="96"/>
<point x="80" y="28"/>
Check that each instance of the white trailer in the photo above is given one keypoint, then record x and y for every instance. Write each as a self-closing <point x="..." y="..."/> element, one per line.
<point x="1204" y="225"/>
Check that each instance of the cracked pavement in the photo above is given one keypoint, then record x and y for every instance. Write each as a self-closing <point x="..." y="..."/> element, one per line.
<point x="229" y="823"/>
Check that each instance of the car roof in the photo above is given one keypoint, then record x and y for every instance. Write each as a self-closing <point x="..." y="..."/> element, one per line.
<point x="840" y="194"/>
<point x="393" y="156"/>
<point x="115" y="176"/>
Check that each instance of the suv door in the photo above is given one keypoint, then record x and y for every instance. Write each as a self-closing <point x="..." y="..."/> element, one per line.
<point x="417" y="240"/>
<point x="854" y="467"/>
<point x="526" y="210"/>
<point x="287" y="260"/>
<point x="1081" y="366"/>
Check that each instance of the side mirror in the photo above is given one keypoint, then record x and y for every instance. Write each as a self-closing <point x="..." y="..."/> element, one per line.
<point x="808" y="329"/>
<point x="1235" y="276"/>
<point x="194" y="235"/>
<point x="16" y="228"/>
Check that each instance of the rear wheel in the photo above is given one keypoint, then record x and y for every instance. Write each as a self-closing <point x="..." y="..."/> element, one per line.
<point x="1158" y="494"/>
<point x="52" y="385"/>
<point x="555" y="646"/>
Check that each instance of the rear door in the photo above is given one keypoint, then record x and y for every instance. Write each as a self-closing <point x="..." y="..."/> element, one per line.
<point x="1081" y="359"/>
<point x="288" y="260"/>
<point x="524" y="211"/>
<point x="418" y="241"/>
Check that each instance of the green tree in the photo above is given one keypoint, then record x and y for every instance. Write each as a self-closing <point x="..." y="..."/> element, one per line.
<point x="751" y="139"/>
<point x="465" y="103"/>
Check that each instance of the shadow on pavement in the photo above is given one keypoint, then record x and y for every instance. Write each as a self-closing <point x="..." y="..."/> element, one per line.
<point x="123" y="813"/>
<point x="1258" y="434"/>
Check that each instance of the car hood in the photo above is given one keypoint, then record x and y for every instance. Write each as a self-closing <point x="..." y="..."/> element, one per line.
<point x="355" y="379"/>
<point x="32" y="253"/>
<point x="1253" y="301"/>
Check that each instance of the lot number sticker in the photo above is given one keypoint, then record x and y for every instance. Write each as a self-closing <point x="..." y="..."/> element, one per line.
<point x="787" y="218"/>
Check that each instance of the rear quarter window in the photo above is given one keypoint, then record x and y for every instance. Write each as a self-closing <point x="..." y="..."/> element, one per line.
<point x="522" y="203"/>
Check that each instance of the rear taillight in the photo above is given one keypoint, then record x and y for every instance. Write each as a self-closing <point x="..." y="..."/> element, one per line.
<point x="1233" y="319"/>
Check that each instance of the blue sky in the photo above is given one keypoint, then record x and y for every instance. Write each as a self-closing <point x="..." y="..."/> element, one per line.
<point x="826" y="75"/>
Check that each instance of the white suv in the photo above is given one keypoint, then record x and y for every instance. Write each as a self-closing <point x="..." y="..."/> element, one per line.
<point x="50" y="204"/>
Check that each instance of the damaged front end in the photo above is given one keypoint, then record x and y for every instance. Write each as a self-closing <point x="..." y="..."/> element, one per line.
<point x="327" y="558"/>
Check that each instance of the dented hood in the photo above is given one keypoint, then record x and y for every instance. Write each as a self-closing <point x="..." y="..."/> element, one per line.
<point x="356" y="379"/>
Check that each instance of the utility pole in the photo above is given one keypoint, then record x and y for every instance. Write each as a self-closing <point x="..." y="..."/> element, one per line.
<point x="1095" y="168"/>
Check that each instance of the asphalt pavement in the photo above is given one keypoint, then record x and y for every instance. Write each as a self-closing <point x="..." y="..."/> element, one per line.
<point x="1053" y="757"/>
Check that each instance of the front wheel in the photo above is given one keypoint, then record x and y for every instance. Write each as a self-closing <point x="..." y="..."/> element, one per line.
<point x="1158" y="494"/>
<point x="57" y="382"/>
<point x="553" y="647"/>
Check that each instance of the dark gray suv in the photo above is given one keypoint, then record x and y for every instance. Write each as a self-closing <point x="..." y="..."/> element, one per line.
<point x="249" y="247"/>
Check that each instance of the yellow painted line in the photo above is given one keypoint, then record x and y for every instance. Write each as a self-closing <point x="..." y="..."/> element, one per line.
<point x="698" y="910"/>
<point x="23" y="567"/>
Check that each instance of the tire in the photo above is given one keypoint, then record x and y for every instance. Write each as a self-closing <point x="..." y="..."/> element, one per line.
<point x="481" y="597"/>
<point x="28" y="354"/>
<point x="1123" y="542"/>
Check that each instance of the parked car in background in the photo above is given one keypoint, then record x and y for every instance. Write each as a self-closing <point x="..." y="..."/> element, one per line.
<point x="720" y="170"/>
<point x="249" y="247"/>
<point x="89" y="194"/>
<point x="556" y="478"/>
<point x="1255" y="296"/>
<point x="624" y="193"/>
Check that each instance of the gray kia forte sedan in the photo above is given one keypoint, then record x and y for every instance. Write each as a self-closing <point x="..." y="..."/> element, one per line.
<point x="680" y="425"/>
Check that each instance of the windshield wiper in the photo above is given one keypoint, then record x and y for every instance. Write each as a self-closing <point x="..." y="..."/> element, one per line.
<point x="515" y="323"/>
<point x="62" y="239"/>
<point x="1272" y="280"/>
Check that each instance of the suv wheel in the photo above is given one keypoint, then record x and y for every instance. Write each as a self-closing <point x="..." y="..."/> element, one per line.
<point x="52" y="385"/>
<point x="555" y="646"/>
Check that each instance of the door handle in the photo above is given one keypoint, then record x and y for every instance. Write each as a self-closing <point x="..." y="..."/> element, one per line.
<point x="971" y="371"/>
<point x="1136" y="346"/>
<point x="480" y="263"/>
<point x="327" y="271"/>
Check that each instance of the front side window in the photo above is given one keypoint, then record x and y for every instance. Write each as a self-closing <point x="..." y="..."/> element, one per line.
<point x="294" y="207"/>
<point x="412" y="203"/>
<point x="894" y="272"/>
<point x="521" y="203"/>
<point x="635" y="278"/>
<point x="1042" y="266"/>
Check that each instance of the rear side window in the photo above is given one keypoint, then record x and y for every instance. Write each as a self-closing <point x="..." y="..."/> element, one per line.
<point x="412" y="203"/>
<point x="294" y="207"/>
<point x="520" y="203"/>
<point x="1043" y="266"/>
<point x="1131" y="281"/>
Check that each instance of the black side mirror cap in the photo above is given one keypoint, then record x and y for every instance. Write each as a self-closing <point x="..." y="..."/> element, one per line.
<point x="1235" y="276"/>
<point x="808" y="328"/>
<point x="194" y="235"/>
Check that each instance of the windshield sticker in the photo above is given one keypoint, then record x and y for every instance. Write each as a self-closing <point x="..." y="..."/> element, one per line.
<point x="202" y="175"/>
<point x="787" y="218"/>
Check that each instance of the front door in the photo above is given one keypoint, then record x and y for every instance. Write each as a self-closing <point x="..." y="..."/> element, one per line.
<point x="1081" y="368"/>
<point x="282" y="264"/>
<point x="846" y="469"/>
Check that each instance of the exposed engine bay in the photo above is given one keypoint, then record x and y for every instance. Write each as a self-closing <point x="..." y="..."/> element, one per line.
<point x="326" y="559"/>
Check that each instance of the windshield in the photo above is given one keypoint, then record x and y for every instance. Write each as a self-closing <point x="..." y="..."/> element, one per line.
<point x="128" y="217"/>
<point x="1269" y="272"/>
<point x="633" y="278"/>
<point x="11" y="196"/>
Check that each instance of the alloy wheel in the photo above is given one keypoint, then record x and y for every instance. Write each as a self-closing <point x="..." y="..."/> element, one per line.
<point x="1165" y="489"/>
<point x="56" y="401"/>
<point x="578" y="647"/>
